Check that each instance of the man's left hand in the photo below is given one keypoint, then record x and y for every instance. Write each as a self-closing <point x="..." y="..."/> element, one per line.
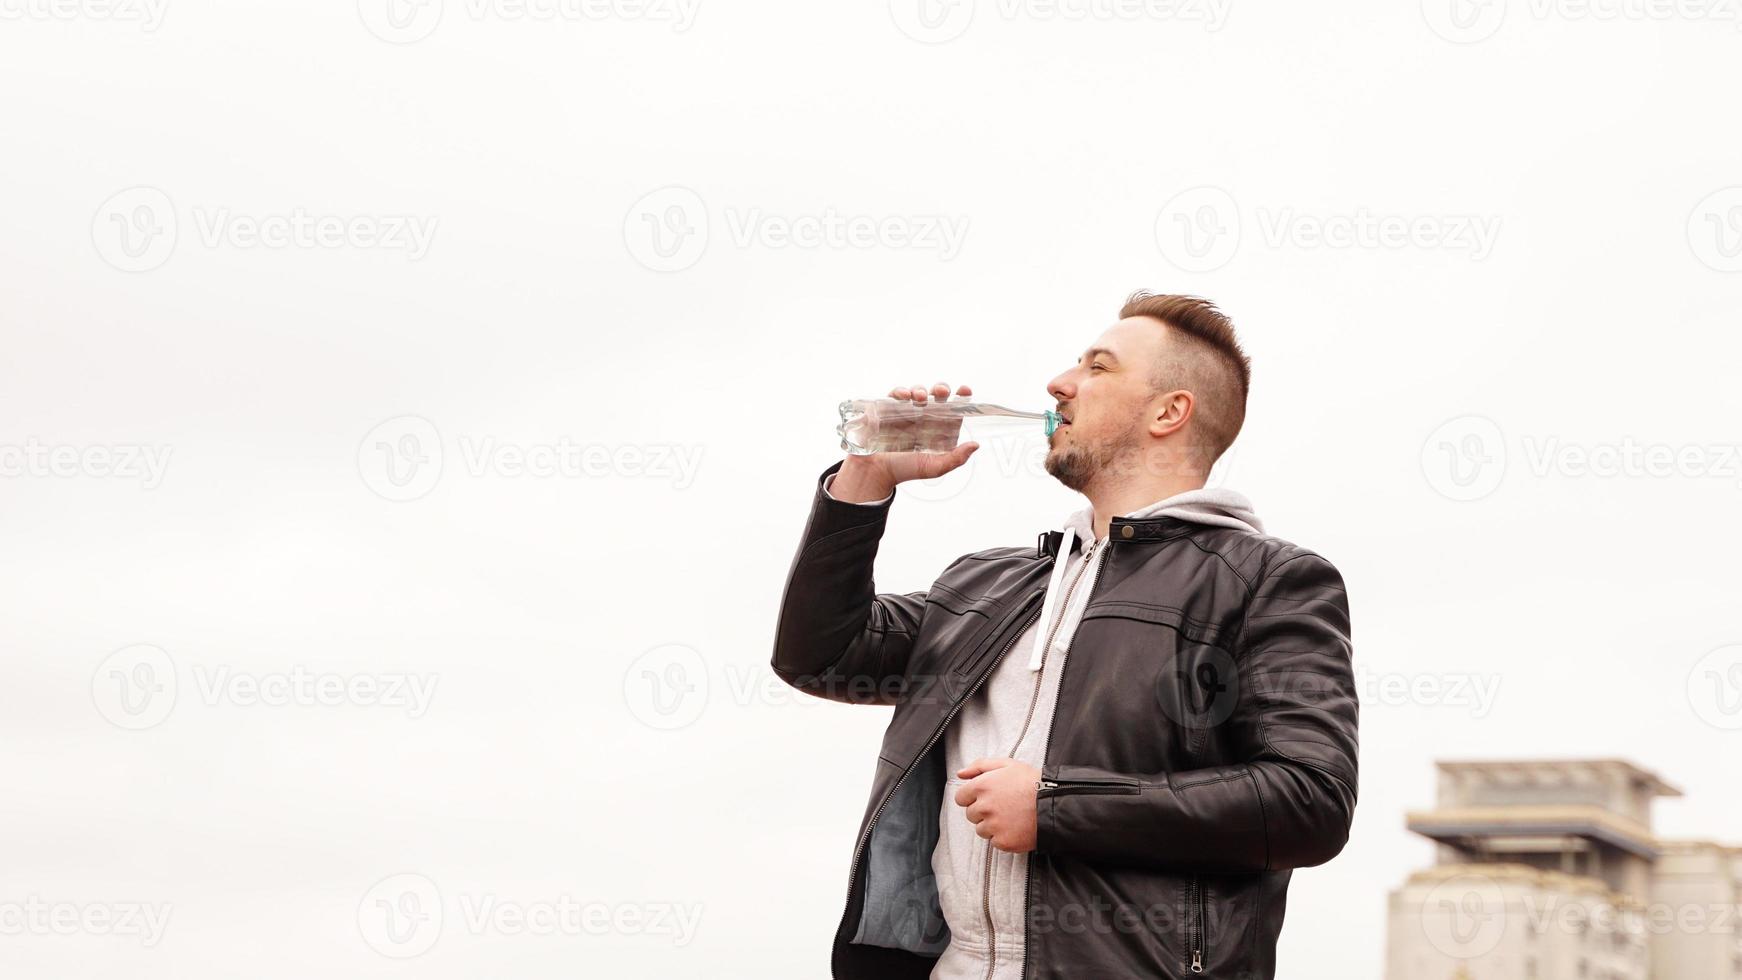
<point x="999" y="797"/>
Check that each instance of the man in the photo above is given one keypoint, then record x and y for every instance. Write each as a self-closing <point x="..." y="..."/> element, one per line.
<point x="1110" y="749"/>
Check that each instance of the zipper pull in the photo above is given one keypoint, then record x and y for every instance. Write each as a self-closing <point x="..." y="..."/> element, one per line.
<point x="1046" y="784"/>
<point x="1197" y="961"/>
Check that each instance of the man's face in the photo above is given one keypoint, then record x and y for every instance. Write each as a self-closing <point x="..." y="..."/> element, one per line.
<point x="1104" y="400"/>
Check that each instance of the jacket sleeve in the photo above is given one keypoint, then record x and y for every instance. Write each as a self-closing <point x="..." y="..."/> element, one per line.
<point x="1288" y="802"/>
<point x="836" y="637"/>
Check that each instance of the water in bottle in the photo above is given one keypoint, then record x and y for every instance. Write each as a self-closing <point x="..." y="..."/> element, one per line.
<point x="897" y="425"/>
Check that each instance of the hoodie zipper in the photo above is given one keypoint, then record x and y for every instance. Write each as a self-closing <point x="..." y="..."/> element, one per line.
<point x="859" y="848"/>
<point x="1022" y="733"/>
<point x="1064" y="661"/>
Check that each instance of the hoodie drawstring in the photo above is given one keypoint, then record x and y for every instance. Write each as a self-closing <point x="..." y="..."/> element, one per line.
<point x="1041" y="635"/>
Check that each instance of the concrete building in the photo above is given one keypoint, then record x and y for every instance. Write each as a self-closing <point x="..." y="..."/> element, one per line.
<point x="1549" y="870"/>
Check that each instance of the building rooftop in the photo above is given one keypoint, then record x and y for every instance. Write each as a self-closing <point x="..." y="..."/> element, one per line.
<point x="1559" y="771"/>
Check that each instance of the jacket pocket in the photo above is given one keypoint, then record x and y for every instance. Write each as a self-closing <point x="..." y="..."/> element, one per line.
<point x="1099" y="784"/>
<point x="986" y="642"/>
<point x="1194" y="679"/>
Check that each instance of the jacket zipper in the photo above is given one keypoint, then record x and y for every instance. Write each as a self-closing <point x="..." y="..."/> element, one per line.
<point x="1071" y="787"/>
<point x="1064" y="661"/>
<point x="858" y="849"/>
<point x="1197" y="925"/>
<point x="1022" y="733"/>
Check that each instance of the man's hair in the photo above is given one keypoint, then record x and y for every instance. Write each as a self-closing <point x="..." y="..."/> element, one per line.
<point x="1204" y="358"/>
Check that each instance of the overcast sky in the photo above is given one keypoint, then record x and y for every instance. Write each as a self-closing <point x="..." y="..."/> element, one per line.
<point x="409" y="417"/>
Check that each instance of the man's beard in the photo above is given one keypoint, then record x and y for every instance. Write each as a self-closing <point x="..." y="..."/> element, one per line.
<point x="1077" y="466"/>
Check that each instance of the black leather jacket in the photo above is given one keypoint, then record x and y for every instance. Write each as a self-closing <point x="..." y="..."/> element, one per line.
<point x="1202" y="747"/>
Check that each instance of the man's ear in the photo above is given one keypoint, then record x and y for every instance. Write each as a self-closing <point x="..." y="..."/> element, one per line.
<point x="1172" y="411"/>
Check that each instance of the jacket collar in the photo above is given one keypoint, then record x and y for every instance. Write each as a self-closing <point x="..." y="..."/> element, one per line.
<point x="1122" y="529"/>
<point x="1163" y="520"/>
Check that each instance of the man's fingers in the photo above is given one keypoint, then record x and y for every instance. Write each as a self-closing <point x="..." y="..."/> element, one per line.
<point x="967" y="795"/>
<point x="979" y="766"/>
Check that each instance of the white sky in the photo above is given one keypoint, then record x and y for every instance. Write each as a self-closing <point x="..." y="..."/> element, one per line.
<point x="1597" y="314"/>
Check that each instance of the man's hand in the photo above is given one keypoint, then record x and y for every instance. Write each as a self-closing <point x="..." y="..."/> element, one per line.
<point x="999" y="797"/>
<point x="863" y="479"/>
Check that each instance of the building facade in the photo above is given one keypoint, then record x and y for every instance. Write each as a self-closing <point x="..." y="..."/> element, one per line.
<point x="1549" y="870"/>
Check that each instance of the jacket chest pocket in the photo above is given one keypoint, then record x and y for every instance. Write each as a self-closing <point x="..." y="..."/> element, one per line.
<point x="1150" y="661"/>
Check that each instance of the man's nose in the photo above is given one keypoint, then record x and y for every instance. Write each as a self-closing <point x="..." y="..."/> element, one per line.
<point x="1060" y="388"/>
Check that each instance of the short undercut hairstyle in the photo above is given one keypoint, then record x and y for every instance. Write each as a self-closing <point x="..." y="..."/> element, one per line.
<point x="1205" y="358"/>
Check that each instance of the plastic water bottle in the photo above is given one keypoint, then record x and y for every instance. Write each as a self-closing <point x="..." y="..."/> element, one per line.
<point x="896" y="425"/>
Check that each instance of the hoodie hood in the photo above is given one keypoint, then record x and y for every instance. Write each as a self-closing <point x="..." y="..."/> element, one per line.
<point x="1219" y="508"/>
